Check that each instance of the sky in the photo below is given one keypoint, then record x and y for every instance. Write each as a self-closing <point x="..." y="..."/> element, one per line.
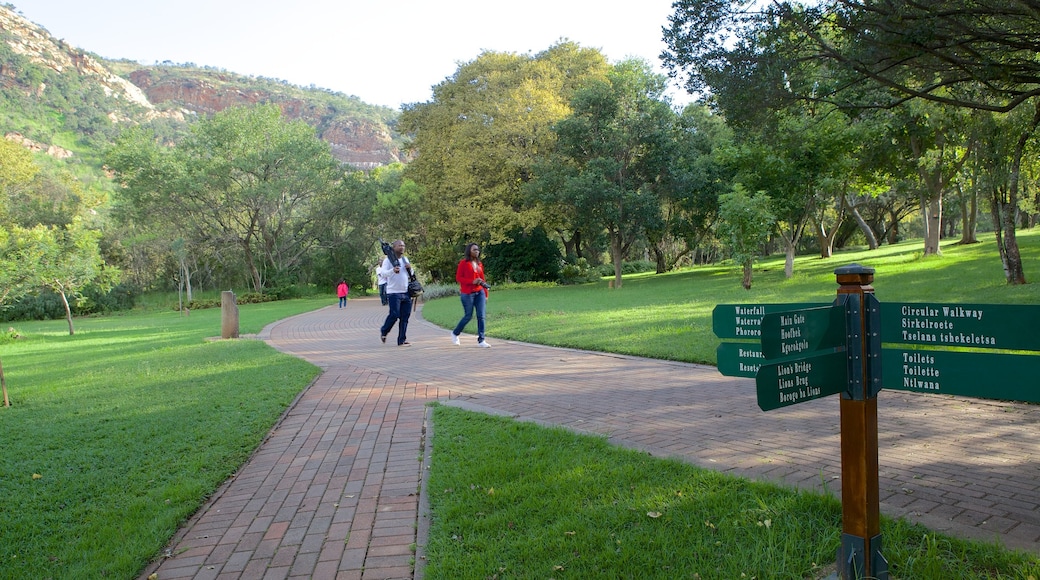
<point x="384" y="52"/>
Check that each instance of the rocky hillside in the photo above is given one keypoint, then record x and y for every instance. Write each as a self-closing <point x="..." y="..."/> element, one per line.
<point x="42" y="78"/>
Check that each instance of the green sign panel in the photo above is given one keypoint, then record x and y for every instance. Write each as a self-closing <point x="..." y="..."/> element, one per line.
<point x="744" y="321"/>
<point x="803" y="332"/>
<point x="1011" y="377"/>
<point x="739" y="359"/>
<point x="1005" y="326"/>
<point x="787" y="383"/>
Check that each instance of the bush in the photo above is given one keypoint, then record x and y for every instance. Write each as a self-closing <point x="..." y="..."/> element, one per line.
<point x="633" y="267"/>
<point x="245" y="298"/>
<point x="529" y="257"/>
<point x="47" y="305"/>
<point x="578" y="271"/>
<point x="434" y="291"/>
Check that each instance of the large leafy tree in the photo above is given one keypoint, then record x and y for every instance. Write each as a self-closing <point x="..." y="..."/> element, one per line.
<point x="478" y="138"/>
<point x="612" y="155"/>
<point x="697" y="175"/>
<point x="244" y="179"/>
<point x="967" y="54"/>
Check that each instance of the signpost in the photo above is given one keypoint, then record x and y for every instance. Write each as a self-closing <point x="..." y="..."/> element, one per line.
<point x="1009" y="377"/>
<point x="789" y="383"/>
<point x="813" y="351"/>
<point x="801" y="352"/>
<point x="1004" y="326"/>
<point x="743" y="323"/>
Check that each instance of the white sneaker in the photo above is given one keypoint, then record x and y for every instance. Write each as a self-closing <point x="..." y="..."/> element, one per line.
<point x="454" y="339"/>
<point x="483" y="344"/>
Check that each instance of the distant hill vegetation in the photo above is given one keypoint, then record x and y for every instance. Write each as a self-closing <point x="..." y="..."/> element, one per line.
<point x="71" y="103"/>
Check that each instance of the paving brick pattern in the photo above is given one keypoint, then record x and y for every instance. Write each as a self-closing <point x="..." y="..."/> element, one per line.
<point x="334" y="492"/>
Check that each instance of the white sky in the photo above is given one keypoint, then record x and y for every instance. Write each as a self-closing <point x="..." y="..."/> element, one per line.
<point x="386" y="52"/>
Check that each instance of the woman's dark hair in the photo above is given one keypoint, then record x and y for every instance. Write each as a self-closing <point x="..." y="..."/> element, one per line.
<point x="468" y="248"/>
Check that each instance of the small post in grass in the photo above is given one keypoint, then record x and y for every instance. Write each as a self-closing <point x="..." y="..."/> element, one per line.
<point x="228" y="315"/>
<point x="3" y="385"/>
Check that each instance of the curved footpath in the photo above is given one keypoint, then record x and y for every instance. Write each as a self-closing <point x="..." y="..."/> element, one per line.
<point x="333" y="492"/>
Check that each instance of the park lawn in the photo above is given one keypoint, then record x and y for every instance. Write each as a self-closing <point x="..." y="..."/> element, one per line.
<point x="668" y="316"/>
<point x="117" y="434"/>
<point x="511" y="499"/>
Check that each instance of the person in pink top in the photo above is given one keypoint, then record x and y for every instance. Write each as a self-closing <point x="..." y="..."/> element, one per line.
<point x="473" y="290"/>
<point x="342" y="290"/>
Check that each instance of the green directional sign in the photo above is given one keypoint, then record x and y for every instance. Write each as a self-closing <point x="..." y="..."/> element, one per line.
<point x="743" y="321"/>
<point x="803" y="332"/>
<point x="1010" y="377"/>
<point x="1005" y="326"/>
<point x="739" y="359"/>
<point x="788" y="383"/>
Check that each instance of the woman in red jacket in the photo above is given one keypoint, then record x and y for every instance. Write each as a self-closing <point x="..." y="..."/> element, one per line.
<point x="474" y="292"/>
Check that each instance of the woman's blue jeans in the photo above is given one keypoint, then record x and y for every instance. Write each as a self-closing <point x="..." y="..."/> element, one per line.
<point x="470" y="302"/>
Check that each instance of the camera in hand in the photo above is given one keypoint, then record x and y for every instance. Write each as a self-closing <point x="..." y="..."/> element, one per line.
<point x="484" y="285"/>
<point x="389" y="252"/>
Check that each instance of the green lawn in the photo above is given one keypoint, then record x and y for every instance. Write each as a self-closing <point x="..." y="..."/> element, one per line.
<point x="669" y="316"/>
<point x="118" y="433"/>
<point x="514" y="500"/>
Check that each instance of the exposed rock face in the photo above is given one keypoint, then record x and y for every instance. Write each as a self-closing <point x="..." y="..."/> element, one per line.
<point x="40" y="48"/>
<point x="356" y="141"/>
<point x="52" y="150"/>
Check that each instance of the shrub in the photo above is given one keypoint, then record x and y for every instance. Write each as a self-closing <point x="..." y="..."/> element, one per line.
<point x="632" y="267"/>
<point x="529" y="257"/>
<point x="578" y="271"/>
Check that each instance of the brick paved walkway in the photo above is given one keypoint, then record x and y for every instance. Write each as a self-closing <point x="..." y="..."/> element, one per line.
<point x="334" y="492"/>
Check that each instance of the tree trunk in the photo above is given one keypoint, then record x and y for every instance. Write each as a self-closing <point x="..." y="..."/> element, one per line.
<point x="616" y="251"/>
<point x="893" y="227"/>
<point x="746" y="282"/>
<point x="187" y="278"/>
<point x="864" y="227"/>
<point x="969" y="217"/>
<point x="662" y="264"/>
<point x="68" y="311"/>
<point x="933" y="225"/>
<point x="1012" y="259"/>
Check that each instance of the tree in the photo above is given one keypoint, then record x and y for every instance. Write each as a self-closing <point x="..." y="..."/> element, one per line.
<point x="244" y="178"/>
<point x="612" y="155"/>
<point x="479" y="137"/>
<point x="745" y="223"/>
<point x="697" y="175"/>
<point x="963" y="54"/>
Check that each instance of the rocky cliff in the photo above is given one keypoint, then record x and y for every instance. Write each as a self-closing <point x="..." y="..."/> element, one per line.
<point x="358" y="134"/>
<point x="361" y="142"/>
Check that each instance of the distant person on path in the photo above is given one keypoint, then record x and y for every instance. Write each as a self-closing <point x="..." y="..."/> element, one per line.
<point x="397" y="294"/>
<point x="473" y="290"/>
<point x="381" y="283"/>
<point x="342" y="290"/>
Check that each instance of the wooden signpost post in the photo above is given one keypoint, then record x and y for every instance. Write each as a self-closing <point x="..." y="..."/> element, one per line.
<point x="801" y="352"/>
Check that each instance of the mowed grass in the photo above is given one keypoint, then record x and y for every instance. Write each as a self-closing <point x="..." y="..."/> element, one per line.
<point x="119" y="433"/>
<point x="515" y="500"/>
<point x="668" y="316"/>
